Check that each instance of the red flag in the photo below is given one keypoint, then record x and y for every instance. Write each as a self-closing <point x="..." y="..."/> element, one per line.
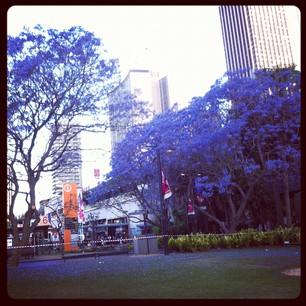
<point x="165" y="186"/>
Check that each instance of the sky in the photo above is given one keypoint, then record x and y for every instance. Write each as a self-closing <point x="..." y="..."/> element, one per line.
<point x="182" y="42"/>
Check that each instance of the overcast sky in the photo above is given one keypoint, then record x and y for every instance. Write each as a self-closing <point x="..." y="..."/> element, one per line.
<point x="182" y="42"/>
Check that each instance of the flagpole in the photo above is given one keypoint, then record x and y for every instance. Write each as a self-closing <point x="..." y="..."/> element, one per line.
<point x="162" y="204"/>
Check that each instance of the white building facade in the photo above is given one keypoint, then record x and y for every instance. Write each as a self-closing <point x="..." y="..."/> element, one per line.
<point x="144" y="85"/>
<point x="71" y="169"/>
<point x="118" y="217"/>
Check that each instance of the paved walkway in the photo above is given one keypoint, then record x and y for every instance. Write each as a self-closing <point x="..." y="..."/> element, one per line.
<point x="58" y="256"/>
<point x="41" y="258"/>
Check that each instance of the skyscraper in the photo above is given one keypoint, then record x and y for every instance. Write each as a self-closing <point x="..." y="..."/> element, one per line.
<point x="255" y="37"/>
<point x="144" y="85"/>
<point x="70" y="167"/>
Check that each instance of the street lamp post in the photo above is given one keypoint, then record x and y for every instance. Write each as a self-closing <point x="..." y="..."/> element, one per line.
<point x="162" y="204"/>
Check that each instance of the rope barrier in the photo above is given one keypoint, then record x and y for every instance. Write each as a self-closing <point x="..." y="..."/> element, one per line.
<point x="120" y="240"/>
<point x="102" y="241"/>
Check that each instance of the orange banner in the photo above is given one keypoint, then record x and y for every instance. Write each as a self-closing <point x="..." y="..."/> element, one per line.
<point x="71" y="208"/>
<point x="70" y="200"/>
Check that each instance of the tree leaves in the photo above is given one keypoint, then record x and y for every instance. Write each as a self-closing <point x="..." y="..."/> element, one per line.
<point x="234" y="135"/>
<point x="54" y="80"/>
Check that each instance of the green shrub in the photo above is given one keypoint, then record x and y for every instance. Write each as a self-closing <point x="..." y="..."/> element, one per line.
<point x="280" y="235"/>
<point x="235" y="240"/>
<point x="184" y="243"/>
<point x="202" y="243"/>
<point x="225" y="242"/>
<point x="269" y="238"/>
<point x="173" y="244"/>
<point x="294" y="234"/>
<point x="214" y="240"/>
<point x="244" y="238"/>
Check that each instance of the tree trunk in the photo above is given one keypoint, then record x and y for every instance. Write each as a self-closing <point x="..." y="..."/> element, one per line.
<point x="278" y="204"/>
<point x="287" y="199"/>
<point x="14" y="261"/>
<point x="297" y="206"/>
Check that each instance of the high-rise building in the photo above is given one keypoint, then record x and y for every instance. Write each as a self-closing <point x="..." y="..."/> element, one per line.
<point x="144" y="85"/>
<point x="70" y="169"/>
<point x="255" y="37"/>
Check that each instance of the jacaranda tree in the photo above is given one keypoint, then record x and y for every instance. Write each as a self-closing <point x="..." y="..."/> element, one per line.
<point x="56" y="80"/>
<point x="259" y="141"/>
<point x="134" y="169"/>
<point x="242" y="133"/>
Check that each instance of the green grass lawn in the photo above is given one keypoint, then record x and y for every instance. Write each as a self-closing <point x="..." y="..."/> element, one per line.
<point x="254" y="273"/>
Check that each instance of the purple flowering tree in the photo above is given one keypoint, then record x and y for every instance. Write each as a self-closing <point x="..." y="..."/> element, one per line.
<point x="258" y="140"/>
<point x="56" y="81"/>
<point x="242" y="135"/>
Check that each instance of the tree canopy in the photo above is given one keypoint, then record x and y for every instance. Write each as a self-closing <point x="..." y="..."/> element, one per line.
<point x="56" y="80"/>
<point x="244" y="133"/>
